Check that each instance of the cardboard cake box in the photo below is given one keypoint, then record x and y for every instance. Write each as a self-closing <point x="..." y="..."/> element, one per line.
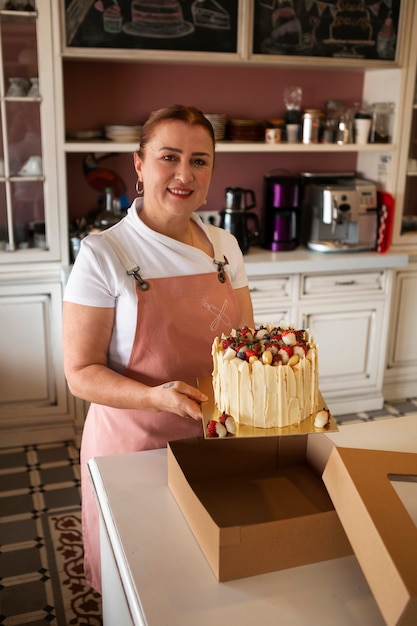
<point x="364" y="487"/>
<point x="257" y="505"/>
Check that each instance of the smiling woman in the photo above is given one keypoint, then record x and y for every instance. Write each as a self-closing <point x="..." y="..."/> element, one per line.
<point x="140" y="301"/>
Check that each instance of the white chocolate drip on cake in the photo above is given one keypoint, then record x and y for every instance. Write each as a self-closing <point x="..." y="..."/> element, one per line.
<point x="263" y="395"/>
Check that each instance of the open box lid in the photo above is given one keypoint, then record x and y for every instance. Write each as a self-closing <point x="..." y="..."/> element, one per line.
<point x="381" y="531"/>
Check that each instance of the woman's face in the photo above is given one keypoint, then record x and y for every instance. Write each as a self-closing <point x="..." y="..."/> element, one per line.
<point x="176" y="168"/>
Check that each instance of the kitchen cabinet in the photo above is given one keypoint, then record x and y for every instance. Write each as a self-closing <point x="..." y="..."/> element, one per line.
<point x="347" y="312"/>
<point x="34" y="403"/>
<point x="405" y="224"/>
<point x="401" y="368"/>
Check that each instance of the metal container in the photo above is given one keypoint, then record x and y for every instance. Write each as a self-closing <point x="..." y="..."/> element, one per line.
<point x="311" y="126"/>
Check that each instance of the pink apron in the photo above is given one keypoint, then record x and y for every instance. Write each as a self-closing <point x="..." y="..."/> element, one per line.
<point x="177" y="320"/>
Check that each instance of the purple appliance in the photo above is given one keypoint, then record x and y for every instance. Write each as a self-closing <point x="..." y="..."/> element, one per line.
<point x="281" y="206"/>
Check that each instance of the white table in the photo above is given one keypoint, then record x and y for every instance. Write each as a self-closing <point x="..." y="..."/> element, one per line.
<point x="154" y="572"/>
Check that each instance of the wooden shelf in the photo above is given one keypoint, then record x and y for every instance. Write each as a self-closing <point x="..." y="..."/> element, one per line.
<point x="234" y="146"/>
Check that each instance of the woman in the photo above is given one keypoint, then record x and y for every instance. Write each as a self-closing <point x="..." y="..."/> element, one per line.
<point x="145" y="300"/>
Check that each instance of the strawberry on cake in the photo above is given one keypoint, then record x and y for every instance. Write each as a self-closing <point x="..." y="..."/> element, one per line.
<point x="266" y="377"/>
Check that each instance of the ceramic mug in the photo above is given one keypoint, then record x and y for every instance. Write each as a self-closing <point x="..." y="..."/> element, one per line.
<point x="272" y="135"/>
<point x="32" y="167"/>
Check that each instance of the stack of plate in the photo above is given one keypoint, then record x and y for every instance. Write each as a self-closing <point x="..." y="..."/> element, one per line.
<point x="218" y="121"/>
<point x="123" y="133"/>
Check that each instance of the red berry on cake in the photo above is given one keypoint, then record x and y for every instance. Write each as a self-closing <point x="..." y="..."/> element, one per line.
<point x="228" y="422"/>
<point x="288" y="337"/>
<point x="286" y="352"/>
<point x="299" y="349"/>
<point x="216" y="429"/>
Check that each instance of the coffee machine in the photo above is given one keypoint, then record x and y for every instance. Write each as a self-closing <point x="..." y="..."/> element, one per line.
<point x="281" y="206"/>
<point x="341" y="216"/>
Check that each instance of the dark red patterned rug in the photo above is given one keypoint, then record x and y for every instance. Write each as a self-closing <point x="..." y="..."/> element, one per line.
<point x="80" y="603"/>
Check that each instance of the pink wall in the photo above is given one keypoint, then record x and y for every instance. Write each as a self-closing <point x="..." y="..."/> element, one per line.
<point x="100" y="93"/>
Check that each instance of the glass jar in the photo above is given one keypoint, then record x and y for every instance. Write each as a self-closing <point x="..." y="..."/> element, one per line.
<point x="381" y="128"/>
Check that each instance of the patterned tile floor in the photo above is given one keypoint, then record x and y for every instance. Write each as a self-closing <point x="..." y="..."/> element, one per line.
<point x="35" y="480"/>
<point x="39" y="479"/>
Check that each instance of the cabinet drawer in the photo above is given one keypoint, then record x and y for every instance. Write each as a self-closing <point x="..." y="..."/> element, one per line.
<point x="271" y="299"/>
<point x="270" y="288"/>
<point x="342" y="284"/>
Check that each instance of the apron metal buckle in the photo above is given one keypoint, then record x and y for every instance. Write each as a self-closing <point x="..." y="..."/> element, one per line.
<point x="220" y="271"/>
<point x="143" y="285"/>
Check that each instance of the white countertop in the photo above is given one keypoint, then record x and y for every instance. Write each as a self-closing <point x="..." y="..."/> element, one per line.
<point x="259" y="262"/>
<point x="167" y="580"/>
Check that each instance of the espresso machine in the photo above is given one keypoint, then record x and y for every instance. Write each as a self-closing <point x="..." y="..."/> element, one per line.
<point x="341" y="216"/>
<point x="281" y="206"/>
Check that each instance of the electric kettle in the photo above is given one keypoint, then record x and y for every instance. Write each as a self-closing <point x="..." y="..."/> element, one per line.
<point x="236" y="217"/>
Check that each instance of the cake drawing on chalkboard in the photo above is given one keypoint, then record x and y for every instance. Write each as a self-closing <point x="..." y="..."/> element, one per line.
<point x="157" y="18"/>
<point x="351" y="23"/>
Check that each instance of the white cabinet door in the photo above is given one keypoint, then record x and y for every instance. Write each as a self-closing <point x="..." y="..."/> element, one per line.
<point x="349" y="344"/>
<point x="29" y="375"/>
<point x="401" y="374"/>
<point x="347" y="316"/>
<point x="33" y="395"/>
<point x="403" y="348"/>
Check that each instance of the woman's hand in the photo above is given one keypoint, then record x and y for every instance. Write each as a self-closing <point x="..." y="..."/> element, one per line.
<point x="179" y="398"/>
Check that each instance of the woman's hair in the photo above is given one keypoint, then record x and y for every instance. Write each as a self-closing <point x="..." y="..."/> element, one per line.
<point x="188" y="114"/>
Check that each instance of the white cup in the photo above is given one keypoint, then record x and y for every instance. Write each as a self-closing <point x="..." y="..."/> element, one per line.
<point x="362" y="128"/>
<point x="32" y="167"/>
<point x="293" y="131"/>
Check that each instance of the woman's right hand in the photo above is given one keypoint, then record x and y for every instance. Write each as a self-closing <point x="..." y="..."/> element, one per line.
<point x="180" y="398"/>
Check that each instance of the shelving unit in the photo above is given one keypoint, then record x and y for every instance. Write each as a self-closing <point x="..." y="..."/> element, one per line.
<point x="381" y="162"/>
<point x="34" y="403"/>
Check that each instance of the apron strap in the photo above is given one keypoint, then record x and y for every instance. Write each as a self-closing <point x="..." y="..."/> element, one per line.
<point x="132" y="268"/>
<point x="219" y="258"/>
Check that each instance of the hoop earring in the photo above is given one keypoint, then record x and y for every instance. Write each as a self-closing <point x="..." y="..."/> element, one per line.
<point x="139" y="190"/>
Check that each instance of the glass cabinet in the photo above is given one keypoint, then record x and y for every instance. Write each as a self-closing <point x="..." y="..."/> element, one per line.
<point x="409" y="216"/>
<point x="27" y="180"/>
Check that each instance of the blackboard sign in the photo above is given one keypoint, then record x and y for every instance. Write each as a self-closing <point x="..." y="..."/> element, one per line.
<point x="353" y="29"/>
<point x="185" y="25"/>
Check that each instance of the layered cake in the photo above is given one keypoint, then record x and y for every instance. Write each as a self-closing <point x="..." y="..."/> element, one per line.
<point x="266" y="377"/>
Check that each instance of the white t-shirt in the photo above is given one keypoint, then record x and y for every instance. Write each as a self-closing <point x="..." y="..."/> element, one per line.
<point x="98" y="278"/>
